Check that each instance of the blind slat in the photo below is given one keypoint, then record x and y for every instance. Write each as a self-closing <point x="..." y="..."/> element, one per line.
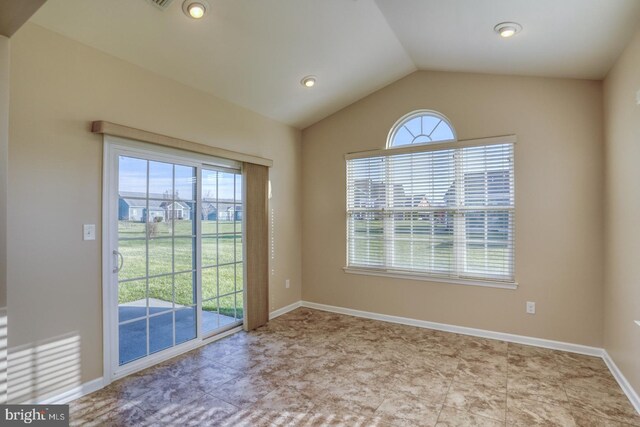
<point x="447" y="212"/>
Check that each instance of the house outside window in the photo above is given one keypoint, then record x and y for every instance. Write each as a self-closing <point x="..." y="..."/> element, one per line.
<point x="432" y="206"/>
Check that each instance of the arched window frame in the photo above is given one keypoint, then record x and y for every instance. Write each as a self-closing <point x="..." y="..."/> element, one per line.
<point x="412" y="115"/>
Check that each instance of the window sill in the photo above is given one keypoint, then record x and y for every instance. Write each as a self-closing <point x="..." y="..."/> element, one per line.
<point x="428" y="278"/>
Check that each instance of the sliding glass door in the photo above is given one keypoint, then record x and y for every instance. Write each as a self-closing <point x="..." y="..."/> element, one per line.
<point x="177" y="264"/>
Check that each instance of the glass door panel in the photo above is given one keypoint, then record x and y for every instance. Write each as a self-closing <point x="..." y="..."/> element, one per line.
<point x="222" y="278"/>
<point x="157" y="301"/>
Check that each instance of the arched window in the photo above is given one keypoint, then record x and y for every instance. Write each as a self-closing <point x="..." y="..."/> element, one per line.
<point x="421" y="127"/>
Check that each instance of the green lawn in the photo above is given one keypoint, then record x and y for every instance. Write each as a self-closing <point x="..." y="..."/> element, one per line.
<point x="217" y="279"/>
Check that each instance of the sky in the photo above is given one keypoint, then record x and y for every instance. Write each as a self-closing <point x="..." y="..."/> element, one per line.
<point x="133" y="178"/>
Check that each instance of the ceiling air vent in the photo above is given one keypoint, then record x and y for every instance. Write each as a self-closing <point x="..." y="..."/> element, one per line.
<point x="160" y="4"/>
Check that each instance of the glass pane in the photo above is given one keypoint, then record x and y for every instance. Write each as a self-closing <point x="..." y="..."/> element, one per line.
<point x="209" y="185"/>
<point x="209" y="217"/>
<point x="132" y="300"/>
<point x="160" y="180"/>
<point x="239" y="305"/>
<point x="158" y="214"/>
<point x="442" y="132"/>
<point x="185" y="289"/>
<point x="239" y="276"/>
<point x="429" y="123"/>
<point x="159" y="226"/>
<point x="160" y="256"/>
<point x="226" y="249"/>
<point x="226" y="279"/>
<point x="132" y="339"/>
<point x="184" y="249"/>
<point x="160" y="332"/>
<point x="414" y="126"/>
<point x="131" y="229"/>
<point x="184" y="223"/>
<point x="225" y="221"/>
<point x="132" y="177"/>
<point x="185" y="324"/>
<point x="226" y="186"/>
<point x="209" y="283"/>
<point x="238" y="239"/>
<point x="209" y="251"/>
<point x="134" y="259"/>
<point x="160" y="294"/>
<point x="402" y="137"/>
<point x="210" y="315"/>
<point x="185" y="182"/>
<point x="238" y="188"/>
<point x="237" y="216"/>
<point x="227" y="310"/>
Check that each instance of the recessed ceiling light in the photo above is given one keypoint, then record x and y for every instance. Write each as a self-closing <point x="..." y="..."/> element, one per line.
<point x="309" y="81"/>
<point x="508" y="29"/>
<point x="195" y="8"/>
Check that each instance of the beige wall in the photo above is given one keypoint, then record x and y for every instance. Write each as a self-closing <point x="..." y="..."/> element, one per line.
<point x="4" y="146"/>
<point x="559" y="209"/>
<point x="4" y="164"/>
<point x="622" y="281"/>
<point x="58" y="86"/>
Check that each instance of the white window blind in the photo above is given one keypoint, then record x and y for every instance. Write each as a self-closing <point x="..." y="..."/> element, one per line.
<point x="445" y="212"/>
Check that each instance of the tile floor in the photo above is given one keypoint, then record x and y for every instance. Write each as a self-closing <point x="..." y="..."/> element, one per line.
<point x="313" y="368"/>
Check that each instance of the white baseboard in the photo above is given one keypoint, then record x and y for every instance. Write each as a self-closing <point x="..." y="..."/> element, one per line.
<point x="285" y="309"/>
<point x="519" y="339"/>
<point x="622" y="381"/>
<point x="74" y="393"/>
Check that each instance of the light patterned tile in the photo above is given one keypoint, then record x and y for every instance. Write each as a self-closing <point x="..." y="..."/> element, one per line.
<point x="612" y="404"/>
<point x="207" y="410"/>
<point x="487" y="373"/>
<point x="348" y="396"/>
<point x="399" y="409"/>
<point x="477" y="398"/>
<point x="314" y="368"/>
<point x="283" y="400"/>
<point x="243" y="391"/>
<point x="426" y="384"/>
<point x="168" y="398"/>
<point x="450" y="417"/>
<point x="536" y="387"/>
<point x="587" y="420"/>
<point x="526" y="413"/>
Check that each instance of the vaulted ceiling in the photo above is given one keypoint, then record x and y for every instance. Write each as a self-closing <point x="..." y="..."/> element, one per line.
<point x="254" y="52"/>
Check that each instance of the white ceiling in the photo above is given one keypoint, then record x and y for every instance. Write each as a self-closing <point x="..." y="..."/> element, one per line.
<point x="254" y="52"/>
<point x="560" y="38"/>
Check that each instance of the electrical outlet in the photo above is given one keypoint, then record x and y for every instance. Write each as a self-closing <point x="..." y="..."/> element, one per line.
<point x="89" y="232"/>
<point x="531" y="307"/>
<point x="287" y="284"/>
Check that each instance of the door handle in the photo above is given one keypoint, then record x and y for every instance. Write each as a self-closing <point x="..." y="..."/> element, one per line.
<point x="119" y="264"/>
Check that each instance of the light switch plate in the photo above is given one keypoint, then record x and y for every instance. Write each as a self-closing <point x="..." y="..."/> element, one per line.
<point x="89" y="232"/>
<point x="638" y="97"/>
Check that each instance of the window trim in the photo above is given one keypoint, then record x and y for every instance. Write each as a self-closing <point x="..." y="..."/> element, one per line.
<point x="428" y="277"/>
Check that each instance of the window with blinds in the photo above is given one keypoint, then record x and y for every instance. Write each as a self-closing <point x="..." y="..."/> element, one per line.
<point x="434" y="211"/>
